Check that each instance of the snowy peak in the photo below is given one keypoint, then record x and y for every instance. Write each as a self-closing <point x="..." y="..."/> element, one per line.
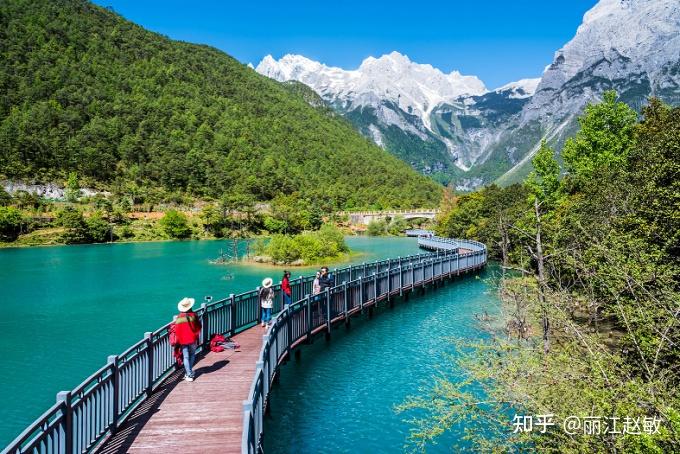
<point x="415" y="88"/>
<point x="524" y="88"/>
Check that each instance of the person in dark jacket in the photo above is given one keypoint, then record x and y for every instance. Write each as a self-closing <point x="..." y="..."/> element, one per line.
<point x="325" y="281"/>
<point x="187" y="330"/>
<point x="285" y="288"/>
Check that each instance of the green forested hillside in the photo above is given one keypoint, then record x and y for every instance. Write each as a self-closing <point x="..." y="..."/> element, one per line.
<point x="85" y="90"/>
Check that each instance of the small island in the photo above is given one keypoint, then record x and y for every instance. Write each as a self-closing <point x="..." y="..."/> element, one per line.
<point x="306" y="248"/>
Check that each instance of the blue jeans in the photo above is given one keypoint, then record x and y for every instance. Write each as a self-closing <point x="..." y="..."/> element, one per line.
<point x="189" y="356"/>
<point x="287" y="299"/>
<point x="266" y="314"/>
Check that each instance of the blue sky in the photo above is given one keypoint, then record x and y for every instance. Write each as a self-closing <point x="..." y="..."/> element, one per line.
<point x="498" y="41"/>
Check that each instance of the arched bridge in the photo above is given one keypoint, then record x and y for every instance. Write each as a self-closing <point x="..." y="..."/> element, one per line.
<point x="138" y="402"/>
<point x="366" y="217"/>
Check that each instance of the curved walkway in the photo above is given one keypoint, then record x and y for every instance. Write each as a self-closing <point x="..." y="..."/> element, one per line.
<point x="203" y="416"/>
<point x="137" y="402"/>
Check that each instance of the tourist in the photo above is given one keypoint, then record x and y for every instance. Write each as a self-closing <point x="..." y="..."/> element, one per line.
<point x="316" y="286"/>
<point x="285" y="288"/>
<point x="325" y="280"/>
<point x="266" y="297"/>
<point x="187" y="330"/>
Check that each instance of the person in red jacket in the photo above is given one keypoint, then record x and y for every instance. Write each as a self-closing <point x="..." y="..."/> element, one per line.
<point x="285" y="288"/>
<point x="187" y="330"/>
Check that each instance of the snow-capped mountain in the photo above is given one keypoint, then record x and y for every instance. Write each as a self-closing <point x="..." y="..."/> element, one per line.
<point x="412" y="87"/>
<point x="450" y="125"/>
<point x="402" y="105"/>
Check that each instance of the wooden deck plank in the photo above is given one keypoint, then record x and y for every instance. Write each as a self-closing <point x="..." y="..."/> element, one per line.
<point x="203" y="416"/>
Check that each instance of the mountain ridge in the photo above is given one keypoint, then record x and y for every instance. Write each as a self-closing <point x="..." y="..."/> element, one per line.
<point x="478" y="136"/>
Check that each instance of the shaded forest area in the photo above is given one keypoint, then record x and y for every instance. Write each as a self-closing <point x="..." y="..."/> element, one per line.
<point x="138" y="114"/>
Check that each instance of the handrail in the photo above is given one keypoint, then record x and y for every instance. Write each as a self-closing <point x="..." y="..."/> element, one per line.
<point x="385" y="212"/>
<point x="316" y="313"/>
<point x="81" y="420"/>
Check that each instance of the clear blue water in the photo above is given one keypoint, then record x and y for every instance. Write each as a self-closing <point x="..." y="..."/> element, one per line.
<point x="340" y="396"/>
<point x="65" y="309"/>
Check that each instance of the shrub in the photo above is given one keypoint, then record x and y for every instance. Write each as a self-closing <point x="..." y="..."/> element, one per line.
<point x="175" y="224"/>
<point x="76" y="229"/>
<point x="10" y="223"/>
<point x="397" y="225"/>
<point x="5" y="198"/>
<point x="327" y="242"/>
<point x="98" y="228"/>
<point x="377" y="228"/>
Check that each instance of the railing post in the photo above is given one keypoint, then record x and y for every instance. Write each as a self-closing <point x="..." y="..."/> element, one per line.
<point x="232" y="311"/>
<point x="150" y="362"/>
<point x="375" y="289"/>
<point x="344" y="288"/>
<point x="65" y="398"/>
<point x="289" y="327"/>
<point x="204" y="325"/>
<point x="308" y="305"/>
<point x="115" y="385"/>
<point x="389" y="282"/>
<point x="328" y="310"/>
<point x="259" y="308"/>
<point x="361" y="292"/>
<point x="413" y="276"/>
<point x="401" y="282"/>
<point x="247" y="443"/>
<point x="260" y="369"/>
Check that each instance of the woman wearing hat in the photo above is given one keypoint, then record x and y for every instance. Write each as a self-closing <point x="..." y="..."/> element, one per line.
<point x="187" y="330"/>
<point x="266" y="300"/>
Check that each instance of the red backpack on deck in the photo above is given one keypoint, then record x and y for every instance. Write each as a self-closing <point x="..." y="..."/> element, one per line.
<point x="215" y="342"/>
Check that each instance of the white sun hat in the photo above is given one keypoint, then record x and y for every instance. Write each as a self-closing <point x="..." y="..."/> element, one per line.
<point x="267" y="282"/>
<point x="185" y="304"/>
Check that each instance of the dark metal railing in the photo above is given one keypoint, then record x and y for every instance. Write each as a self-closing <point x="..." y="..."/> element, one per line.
<point x="356" y="288"/>
<point x="82" y="419"/>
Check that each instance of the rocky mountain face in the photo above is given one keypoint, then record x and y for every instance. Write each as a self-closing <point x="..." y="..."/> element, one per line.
<point x="450" y="126"/>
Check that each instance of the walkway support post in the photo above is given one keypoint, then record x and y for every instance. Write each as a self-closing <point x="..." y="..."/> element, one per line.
<point x="150" y="362"/>
<point x="112" y="360"/>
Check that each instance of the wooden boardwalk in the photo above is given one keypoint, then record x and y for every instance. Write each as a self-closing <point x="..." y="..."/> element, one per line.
<point x="203" y="416"/>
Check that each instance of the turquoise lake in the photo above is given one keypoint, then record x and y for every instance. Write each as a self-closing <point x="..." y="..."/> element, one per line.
<point x="67" y="308"/>
<point x="340" y="396"/>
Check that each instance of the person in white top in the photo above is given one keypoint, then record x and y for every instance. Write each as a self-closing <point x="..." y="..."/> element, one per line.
<point x="266" y="297"/>
<point x="316" y="286"/>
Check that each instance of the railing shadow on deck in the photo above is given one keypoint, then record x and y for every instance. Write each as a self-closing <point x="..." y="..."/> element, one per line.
<point x="132" y="384"/>
<point x="120" y="443"/>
